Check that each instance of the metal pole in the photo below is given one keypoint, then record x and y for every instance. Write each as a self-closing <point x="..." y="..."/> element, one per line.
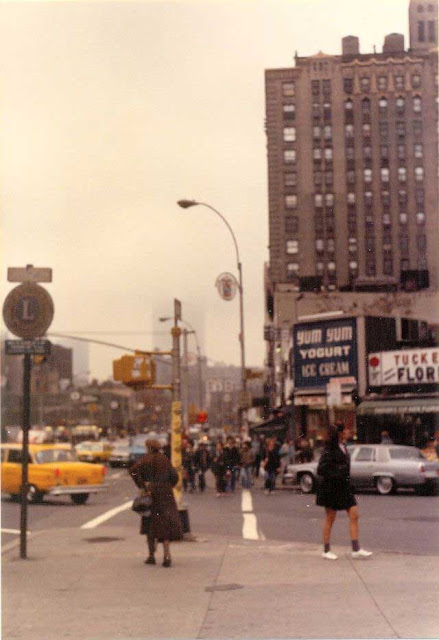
<point x="176" y="458"/>
<point x="27" y="363"/>
<point x="200" y="380"/>
<point x="185" y="382"/>
<point x="242" y="343"/>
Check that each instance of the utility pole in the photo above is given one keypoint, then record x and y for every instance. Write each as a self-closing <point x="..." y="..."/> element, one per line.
<point x="185" y="382"/>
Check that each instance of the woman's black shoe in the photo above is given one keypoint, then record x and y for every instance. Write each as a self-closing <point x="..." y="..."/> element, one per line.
<point x="150" y="560"/>
<point x="167" y="562"/>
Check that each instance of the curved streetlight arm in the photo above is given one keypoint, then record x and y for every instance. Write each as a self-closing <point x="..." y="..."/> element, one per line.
<point x="185" y="204"/>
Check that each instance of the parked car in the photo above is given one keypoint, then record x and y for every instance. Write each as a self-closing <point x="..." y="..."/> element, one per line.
<point x="53" y="470"/>
<point x="120" y="456"/>
<point x="94" y="451"/>
<point x="380" y="466"/>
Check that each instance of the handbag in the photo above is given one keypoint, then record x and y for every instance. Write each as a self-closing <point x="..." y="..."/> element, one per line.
<point x="142" y="504"/>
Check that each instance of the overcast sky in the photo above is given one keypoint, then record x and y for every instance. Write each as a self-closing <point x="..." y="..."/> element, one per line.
<point x="111" y="112"/>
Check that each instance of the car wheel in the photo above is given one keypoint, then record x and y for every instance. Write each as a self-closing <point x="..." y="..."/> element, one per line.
<point x="33" y="495"/>
<point x="385" y="485"/>
<point x="79" y="498"/>
<point x="306" y="483"/>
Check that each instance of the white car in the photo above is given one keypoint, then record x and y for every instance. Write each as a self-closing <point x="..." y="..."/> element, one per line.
<point x="385" y="467"/>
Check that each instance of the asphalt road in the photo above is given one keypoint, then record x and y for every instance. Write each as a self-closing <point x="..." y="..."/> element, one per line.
<point x="403" y="522"/>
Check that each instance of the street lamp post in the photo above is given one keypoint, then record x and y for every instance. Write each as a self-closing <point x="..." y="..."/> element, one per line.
<point x="186" y="204"/>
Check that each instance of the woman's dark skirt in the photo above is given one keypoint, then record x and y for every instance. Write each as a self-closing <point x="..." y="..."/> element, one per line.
<point x="335" y="494"/>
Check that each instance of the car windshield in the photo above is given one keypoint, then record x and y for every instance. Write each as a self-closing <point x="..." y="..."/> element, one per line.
<point x="55" y="455"/>
<point x="405" y="454"/>
<point x="94" y="446"/>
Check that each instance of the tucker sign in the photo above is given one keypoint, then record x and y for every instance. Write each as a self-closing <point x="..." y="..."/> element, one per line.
<point x="324" y="350"/>
<point x="410" y="366"/>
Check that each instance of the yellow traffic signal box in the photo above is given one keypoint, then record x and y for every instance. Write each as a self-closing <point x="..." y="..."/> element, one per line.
<point x="137" y="370"/>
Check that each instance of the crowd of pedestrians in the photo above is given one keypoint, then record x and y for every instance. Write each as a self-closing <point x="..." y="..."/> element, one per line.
<point x="232" y="461"/>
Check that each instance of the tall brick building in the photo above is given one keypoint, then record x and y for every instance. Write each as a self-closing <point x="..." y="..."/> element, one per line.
<point x="352" y="145"/>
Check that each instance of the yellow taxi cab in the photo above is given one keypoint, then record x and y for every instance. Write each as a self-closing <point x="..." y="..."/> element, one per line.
<point x="53" y="470"/>
<point x="94" y="451"/>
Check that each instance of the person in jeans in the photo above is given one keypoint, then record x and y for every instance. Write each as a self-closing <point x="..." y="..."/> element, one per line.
<point x="247" y="462"/>
<point x="219" y="469"/>
<point x="232" y="460"/>
<point x="335" y="492"/>
<point x="202" y="464"/>
<point x="271" y="466"/>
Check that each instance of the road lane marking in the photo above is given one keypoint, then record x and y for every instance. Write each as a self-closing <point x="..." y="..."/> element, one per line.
<point x="250" y="524"/>
<point x="246" y="500"/>
<point x="250" y="527"/>
<point x="14" y="531"/>
<point x="91" y="524"/>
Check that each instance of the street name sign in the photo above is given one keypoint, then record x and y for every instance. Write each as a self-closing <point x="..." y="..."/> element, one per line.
<point x="31" y="347"/>
<point x="29" y="274"/>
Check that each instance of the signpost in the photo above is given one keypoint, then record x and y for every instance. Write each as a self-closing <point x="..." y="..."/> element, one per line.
<point x="28" y="312"/>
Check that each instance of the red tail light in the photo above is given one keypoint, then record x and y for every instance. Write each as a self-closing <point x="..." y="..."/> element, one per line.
<point x="57" y="473"/>
<point x="104" y="470"/>
<point x="422" y="468"/>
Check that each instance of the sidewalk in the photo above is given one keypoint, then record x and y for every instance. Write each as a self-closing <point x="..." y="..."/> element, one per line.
<point x="92" y="584"/>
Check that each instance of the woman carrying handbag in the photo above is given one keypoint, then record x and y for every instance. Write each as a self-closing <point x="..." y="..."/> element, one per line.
<point x="156" y="472"/>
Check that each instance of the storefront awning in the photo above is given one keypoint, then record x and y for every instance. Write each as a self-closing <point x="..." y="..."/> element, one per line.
<point x="398" y="407"/>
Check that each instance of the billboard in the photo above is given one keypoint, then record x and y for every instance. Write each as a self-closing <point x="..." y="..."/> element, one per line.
<point x="324" y="350"/>
<point x="404" y="367"/>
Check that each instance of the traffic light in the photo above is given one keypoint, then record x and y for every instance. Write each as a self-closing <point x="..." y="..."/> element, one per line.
<point x="136" y="371"/>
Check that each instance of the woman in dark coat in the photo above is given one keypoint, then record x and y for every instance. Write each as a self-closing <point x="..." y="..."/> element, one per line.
<point x="334" y="490"/>
<point x="164" y="525"/>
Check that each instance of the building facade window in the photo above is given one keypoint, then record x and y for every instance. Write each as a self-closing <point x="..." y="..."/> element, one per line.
<point x="418" y="150"/>
<point x="318" y="200"/>
<point x="290" y="179"/>
<point x="401" y="151"/>
<point x="289" y="111"/>
<point x="421" y="31"/>
<point x="327" y="132"/>
<point x="385" y="175"/>
<point x="329" y="178"/>
<point x="289" y="156"/>
<point x="348" y="85"/>
<point x="292" y="247"/>
<point x="318" y="177"/>
<point x="291" y="224"/>
<point x="388" y="266"/>
<point x="315" y="88"/>
<point x="402" y="174"/>
<point x="316" y="133"/>
<point x="417" y="128"/>
<point x="419" y="174"/>
<point x="350" y="177"/>
<point x="329" y="199"/>
<point x="289" y="88"/>
<point x="365" y="83"/>
<point x="403" y="218"/>
<point x="328" y="154"/>
<point x="289" y="134"/>
<point x="399" y="82"/>
<point x="367" y="175"/>
<point x="416" y="81"/>
<point x="320" y="245"/>
<point x="400" y="105"/>
<point x="317" y="153"/>
<point x="417" y="104"/>
<point x="384" y="131"/>
<point x="293" y="269"/>
<point x="420" y="218"/>
<point x="366" y="129"/>
<point x="291" y="201"/>
<point x="382" y="83"/>
<point x="349" y="130"/>
<point x="350" y="198"/>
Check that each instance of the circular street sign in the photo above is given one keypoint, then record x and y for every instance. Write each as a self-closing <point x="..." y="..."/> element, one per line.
<point x="28" y="311"/>
<point x="227" y="286"/>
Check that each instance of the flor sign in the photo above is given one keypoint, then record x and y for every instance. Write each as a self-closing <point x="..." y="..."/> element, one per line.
<point x="405" y="367"/>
